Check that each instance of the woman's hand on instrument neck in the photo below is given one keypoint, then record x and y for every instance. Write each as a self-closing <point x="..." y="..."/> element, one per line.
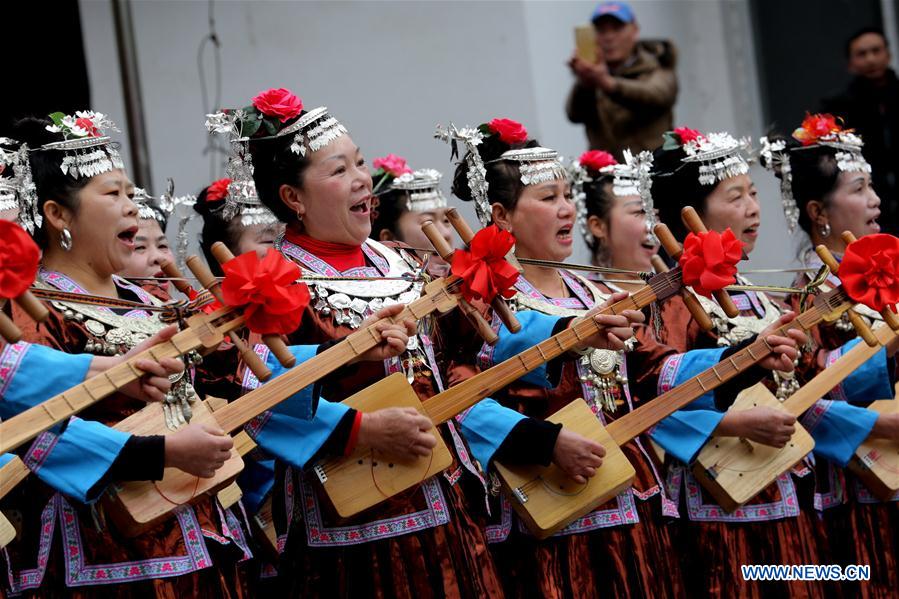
<point x="885" y="427"/>
<point x="761" y="424"/>
<point x="577" y="456"/>
<point x="394" y="336"/>
<point x="198" y="449"/>
<point x="614" y="330"/>
<point x="154" y="384"/>
<point x="400" y="432"/>
<point x="784" y="348"/>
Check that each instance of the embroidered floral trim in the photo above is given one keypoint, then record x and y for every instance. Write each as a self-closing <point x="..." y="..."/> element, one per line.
<point x="39" y="450"/>
<point x="669" y="373"/>
<point x="839" y="392"/>
<point x="10" y="359"/>
<point x="836" y="492"/>
<point x="33" y="577"/>
<point x="80" y="574"/>
<point x="317" y="535"/>
<point x="786" y="507"/>
<point x="497" y="533"/>
<point x="624" y="513"/>
<point x="863" y="495"/>
<point x="812" y="417"/>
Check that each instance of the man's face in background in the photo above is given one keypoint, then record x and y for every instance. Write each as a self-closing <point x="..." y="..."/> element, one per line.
<point x="869" y="56"/>
<point x="615" y="39"/>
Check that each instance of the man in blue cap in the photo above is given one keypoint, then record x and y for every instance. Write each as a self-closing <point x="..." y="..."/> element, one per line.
<point x="624" y="99"/>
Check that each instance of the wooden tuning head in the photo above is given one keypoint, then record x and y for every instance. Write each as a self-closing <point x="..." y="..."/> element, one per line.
<point x="471" y="313"/>
<point x="8" y="329"/>
<point x="499" y="306"/>
<point x="172" y="271"/>
<point x="694" y="223"/>
<point x="863" y="330"/>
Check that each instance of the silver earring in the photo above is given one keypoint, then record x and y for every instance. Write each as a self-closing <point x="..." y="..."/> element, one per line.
<point x="825" y="230"/>
<point x="65" y="240"/>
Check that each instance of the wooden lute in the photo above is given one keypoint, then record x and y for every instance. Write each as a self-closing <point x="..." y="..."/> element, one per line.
<point x="138" y="505"/>
<point x="365" y="478"/>
<point x="876" y="462"/>
<point x="734" y="470"/>
<point x="547" y="500"/>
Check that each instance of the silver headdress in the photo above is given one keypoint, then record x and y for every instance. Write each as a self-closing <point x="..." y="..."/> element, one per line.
<point x="536" y="165"/>
<point x="424" y="190"/>
<point x="17" y="189"/>
<point x="720" y="156"/>
<point x="242" y="200"/>
<point x="849" y="151"/>
<point x="477" y="173"/>
<point x="87" y="151"/>
<point x="577" y="176"/>
<point x="315" y="129"/>
<point x="633" y="178"/>
<point x="775" y="156"/>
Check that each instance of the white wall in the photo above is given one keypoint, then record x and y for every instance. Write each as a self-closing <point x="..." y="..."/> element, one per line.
<point x="391" y="70"/>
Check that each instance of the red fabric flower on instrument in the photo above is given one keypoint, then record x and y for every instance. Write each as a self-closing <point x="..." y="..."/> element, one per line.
<point x="483" y="267"/>
<point x="273" y="303"/>
<point x="710" y="260"/>
<point x="509" y="131"/>
<point x="870" y="271"/>
<point x="816" y="126"/>
<point x="596" y="160"/>
<point x="218" y="190"/>
<point x="19" y="258"/>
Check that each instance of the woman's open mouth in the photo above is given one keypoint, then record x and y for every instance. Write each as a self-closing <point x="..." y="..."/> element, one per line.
<point x="563" y="235"/>
<point x="873" y="225"/>
<point x="127" y="237"/>
<point x="362" y="207"/>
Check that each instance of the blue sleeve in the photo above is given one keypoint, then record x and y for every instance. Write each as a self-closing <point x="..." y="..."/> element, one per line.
<point x="74" y="461"/>
<point x="485" y="426"/>
<point x="6" y="458"/>
<point x="30" y="374"/>
<point x="535" y="327"/>
<point x="869" y="382"/>
<point x="838" y="428"/>
<point x="685" y="432"/>
<point x="292" y="440"/>
<point x="300" y="405"/>
<point x="256" y="481"/>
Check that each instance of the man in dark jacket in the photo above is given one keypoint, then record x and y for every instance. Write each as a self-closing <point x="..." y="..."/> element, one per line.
<point x="870" y="105"/>
<point x="625" y="98"/>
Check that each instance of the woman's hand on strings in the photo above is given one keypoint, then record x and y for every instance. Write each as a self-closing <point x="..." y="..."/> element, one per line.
<point x="784" y="348"/>
<point x="762" y="424"/>
<point x="394" y="336"/>
<point x="154" y="384"/>
<point x="614" y="329"/>
<point x="400" y="432"/>
<point x="198" y="449"/>
<point x="577" y="456"/>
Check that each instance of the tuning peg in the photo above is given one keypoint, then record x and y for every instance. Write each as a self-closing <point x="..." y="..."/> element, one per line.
<point x="499" y="306"/>
<point x="694" y="223"/>
<point x="674" y="249"/>
<point x="274" y="342"/>
<point x="210" y="282"/>
<point x="471" y="313"/>
<point x="174" y="273"/>
<point x="889" y="316"/>
<point x="8" y="329"/>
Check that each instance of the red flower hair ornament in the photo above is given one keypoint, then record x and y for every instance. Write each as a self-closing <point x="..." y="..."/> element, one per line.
<point x="687" y="135"/>
<point x="266" y="288"/>
<point x="509" y="131"/>
<point x="815" y="127"/>
<point x="483" y="267"/>
<point x="710" y="260"/>
<point x="218" y="190"/>
<point x="596" y="160"/>
<point x="19" y="259"/>
<point x="869" y="271"/>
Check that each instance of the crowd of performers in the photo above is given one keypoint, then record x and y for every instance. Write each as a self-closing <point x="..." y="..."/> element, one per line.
<point x="300" y="191"/>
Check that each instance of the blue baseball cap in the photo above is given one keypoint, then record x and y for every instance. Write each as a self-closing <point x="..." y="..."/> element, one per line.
<point x="617" y="10"/>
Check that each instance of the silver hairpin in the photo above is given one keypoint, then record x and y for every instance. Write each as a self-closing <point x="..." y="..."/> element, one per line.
<point x="476" y="172"/>
<point x="720" y="156"/>
<point x="536" y="165"/>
